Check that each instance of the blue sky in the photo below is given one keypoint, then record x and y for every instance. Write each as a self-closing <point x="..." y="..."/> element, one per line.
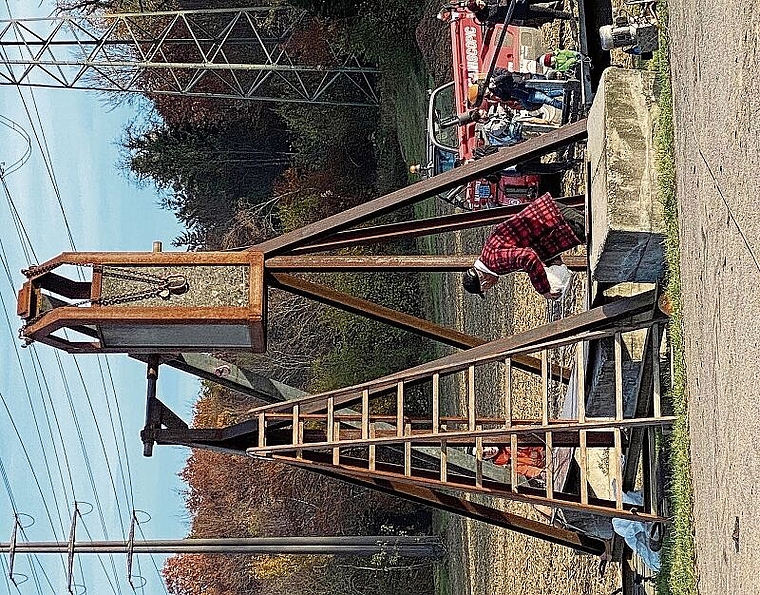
<point x="105" y="212"/>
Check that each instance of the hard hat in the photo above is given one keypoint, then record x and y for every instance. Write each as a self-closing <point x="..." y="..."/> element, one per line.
<point x="471" y="282"/>
<point x="472" y="94"/>
<point x="547" y="60"/>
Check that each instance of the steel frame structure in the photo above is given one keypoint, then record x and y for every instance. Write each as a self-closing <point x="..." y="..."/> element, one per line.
<point x="320" y="433"/>
<point x="294" y="251"/>
<point x="336" y="434"/>
<point x="243" y="53"/>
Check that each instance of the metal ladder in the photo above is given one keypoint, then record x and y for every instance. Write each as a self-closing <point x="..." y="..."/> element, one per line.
<point x="375" y="437"/>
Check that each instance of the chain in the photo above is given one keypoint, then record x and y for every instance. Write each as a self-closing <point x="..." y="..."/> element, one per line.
<point x="164" y="288"/>
<point x="35" y="271"/>
<point x="39" y="270"/>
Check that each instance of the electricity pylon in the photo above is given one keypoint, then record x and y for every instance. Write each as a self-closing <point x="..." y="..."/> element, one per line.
<point x="260" y="53"/>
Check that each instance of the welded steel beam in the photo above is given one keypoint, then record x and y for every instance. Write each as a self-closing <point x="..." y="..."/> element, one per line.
<point x="431" y="479"/>
<point x="505" y="157"/>
<point x="387" y="263"/>
<point x="422" y="495"/>
<point x="402" y="320"/>
<point x="603" y="316"/>
<point x="366" y="263"/>
<point x="314" y="439"/>
<point x="423" y="227"/>
<point x="564" y="330"/>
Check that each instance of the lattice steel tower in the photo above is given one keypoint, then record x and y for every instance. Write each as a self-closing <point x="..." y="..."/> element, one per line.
<point x="261" y="54"/>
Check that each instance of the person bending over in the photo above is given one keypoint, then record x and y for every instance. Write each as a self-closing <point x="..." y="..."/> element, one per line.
<point x="529" y="241"/>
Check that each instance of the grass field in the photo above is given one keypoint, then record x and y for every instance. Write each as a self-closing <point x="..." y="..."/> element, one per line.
<point x="678" y="574"/>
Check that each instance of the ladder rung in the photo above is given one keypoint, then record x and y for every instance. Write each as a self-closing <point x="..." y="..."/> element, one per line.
<point x="262" y="429"/>
<point x="656" y="403"/>
<point x="617" y="456"/>
<point x="479" y="461"/>
<point x="336" y="439"/>
<point x="365" y="414"/>
<point x="580" y="391"/>
<point x="436" y="402"/>
<point x="583" y="464"/>
<point x="508" y="390"/>
<point x="371" y="460"/>
<point x="471" y="398"/>
<point x="618" y="375"/>
<point x="444" y="459"/>
<point x="400" y="409"/>
<point x="408" y="453"/>
<point x="331" y="419"/>
<point x="513" y="462"/>
<point x="544" y="387"/>
<point x="549" y="464"/>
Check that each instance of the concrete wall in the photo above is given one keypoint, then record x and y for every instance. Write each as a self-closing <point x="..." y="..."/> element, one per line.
<point x="627" y="231"/>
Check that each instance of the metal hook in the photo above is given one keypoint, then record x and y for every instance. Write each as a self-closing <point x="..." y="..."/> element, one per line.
<point x="177" y="284"/>
<point x="173" y="285"/>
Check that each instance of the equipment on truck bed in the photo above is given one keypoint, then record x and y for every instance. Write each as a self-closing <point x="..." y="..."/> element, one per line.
<point x="637" y="33"/>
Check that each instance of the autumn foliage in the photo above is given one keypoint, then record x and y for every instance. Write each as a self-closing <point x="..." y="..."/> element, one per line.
<point x="237" y="496"/>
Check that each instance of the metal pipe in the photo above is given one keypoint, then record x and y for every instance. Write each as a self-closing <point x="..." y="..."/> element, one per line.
<point x="412" y="546"/>
<point x="150" y="405"/>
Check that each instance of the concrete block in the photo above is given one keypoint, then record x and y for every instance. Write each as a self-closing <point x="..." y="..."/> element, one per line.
<point x="627" y="230"/>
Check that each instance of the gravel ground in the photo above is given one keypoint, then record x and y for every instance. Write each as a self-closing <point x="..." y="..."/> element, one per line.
<point x="714" y="55"/>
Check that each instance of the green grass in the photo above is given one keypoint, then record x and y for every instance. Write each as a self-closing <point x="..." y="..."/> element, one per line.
<point x="678" y="571"/>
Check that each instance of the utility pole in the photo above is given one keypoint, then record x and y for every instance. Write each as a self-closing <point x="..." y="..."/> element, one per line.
<point x="401" y="545"/>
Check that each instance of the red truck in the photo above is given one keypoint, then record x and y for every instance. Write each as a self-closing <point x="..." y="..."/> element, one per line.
<point x="451" y="138"/>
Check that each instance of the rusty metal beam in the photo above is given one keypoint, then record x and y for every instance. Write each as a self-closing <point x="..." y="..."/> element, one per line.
<point x="505" y="157"/>
<point x="399" y="263"/>
<point x="413" y="324"/>
<point x="644" y="387"/>
<point x="420" y="494"/>
<point x="422" y="227"/>
<point x="280" y="436"/>
<point x="430" y="479"/>
<point x="472" y="510"/>
<point x="605" y="316"/>
<point x="386" y="263"/>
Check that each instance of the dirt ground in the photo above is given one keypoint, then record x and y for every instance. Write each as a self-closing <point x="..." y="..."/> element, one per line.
<point x="485" y="560"/>
<point x="714" y="56"/>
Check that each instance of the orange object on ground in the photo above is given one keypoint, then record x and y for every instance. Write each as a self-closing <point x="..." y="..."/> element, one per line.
<point x="531" y="460"/>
